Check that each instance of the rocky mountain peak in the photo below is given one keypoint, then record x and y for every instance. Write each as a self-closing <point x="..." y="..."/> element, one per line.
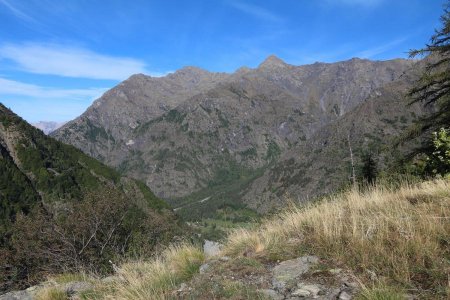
<point x="135" y="78"/>
<point x="243" y="70"/>
<point x="189" y="71"/>
<point x="138" y="76"/>
<point x="272" y="62"/>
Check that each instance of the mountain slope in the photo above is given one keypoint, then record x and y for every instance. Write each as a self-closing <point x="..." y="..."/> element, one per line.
<point x="50" y="170"/>
<point x="111" y="119"/>
<point x="324" y="164"/>
<point x="48" y="188"/>
<point x="221" y="135"/>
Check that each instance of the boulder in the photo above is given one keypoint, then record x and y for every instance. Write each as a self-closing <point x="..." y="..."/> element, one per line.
<point x="301" y="293"/>
<point x="203" y="268"/>
<point x="272" y="294"/>
<point x="289" y="270"/>
<point x="211" y="248"/>
<point x="344" y="296"/>
<point x="313" y="289"/>
<point x="76" y="287"/>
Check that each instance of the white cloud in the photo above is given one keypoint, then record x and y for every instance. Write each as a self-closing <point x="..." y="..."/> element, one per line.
<point x="71" y="62"/>
<point x="11" y="87"/>
<point x="256" y="11"/>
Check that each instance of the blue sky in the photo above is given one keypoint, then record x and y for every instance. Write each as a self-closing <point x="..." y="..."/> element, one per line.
<point x="56" y="57"/>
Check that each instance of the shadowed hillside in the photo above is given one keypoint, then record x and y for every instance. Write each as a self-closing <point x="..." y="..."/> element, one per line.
<point x="60" y="209"/>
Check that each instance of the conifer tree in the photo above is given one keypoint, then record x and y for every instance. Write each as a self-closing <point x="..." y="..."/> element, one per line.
<point x="433" y="88"/>
<point x="369" y="168"/>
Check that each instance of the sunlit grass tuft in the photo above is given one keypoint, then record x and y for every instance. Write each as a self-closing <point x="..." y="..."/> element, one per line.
<point x="51" y="293"/>
<point x="381" y="293"/>
<point x="154" y="279"/>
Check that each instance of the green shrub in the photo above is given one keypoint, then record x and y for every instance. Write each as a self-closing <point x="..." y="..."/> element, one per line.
<point x="438" y="162"/>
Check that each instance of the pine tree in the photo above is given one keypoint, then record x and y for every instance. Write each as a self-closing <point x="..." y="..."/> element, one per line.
<point x="369" y="168"/>
<point x="433" y="88"/>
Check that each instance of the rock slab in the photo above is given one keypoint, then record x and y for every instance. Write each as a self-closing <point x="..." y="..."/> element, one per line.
<point x="211" y="248"/>
<point x="289" y="270"/>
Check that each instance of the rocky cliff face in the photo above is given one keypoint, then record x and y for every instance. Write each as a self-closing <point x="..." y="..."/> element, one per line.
<point x="195" y="134"/>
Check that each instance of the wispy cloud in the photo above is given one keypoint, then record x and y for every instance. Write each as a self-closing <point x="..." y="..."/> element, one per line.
<point x="17" y="12"/>
<point x="17" y="88"/>
<point x="71" y="62"/>
<point x="355" y="2"/>
<point x="256" y="11"/>
<point x="369" y="53"/>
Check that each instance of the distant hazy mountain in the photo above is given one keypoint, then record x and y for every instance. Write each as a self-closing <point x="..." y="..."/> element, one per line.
<point x="257" y="136"/>
<point x="48" y="126"/>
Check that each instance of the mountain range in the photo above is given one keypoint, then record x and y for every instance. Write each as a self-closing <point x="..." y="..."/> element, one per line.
<point x="254" y="138"/>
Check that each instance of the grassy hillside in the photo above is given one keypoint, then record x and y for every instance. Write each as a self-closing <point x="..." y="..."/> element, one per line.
<point x="401" y="235"/>
<point x="61" y="209"/>
<point x="390" y="243"/>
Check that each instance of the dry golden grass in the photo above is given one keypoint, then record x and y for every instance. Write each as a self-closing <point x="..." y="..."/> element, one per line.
<point x="51" y="293"/>
<point x="154" y="279"/>
<point x="403" y="235"/>
<point x="69" y="277"/>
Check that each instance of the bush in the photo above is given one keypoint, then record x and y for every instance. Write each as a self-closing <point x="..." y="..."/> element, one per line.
<point x="438" y="162"/>
<point x="85" y="235"/>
